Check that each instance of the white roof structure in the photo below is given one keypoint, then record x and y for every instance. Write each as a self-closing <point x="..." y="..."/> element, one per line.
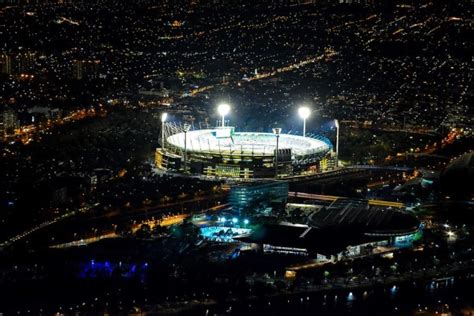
<point x="219" y="141"/>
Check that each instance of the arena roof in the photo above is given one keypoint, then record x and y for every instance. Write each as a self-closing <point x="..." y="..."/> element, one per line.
<point x="331" y="230"/>
<point x="371" y="219"/>
<point x="246" y="143"/>
<point x="326" y="240"/>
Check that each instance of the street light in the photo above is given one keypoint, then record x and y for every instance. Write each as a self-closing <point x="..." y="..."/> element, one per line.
<point x="164" y="116"/>
<point x="336" y="123"/>
<point x="276" y="132"/>
<point x="304" y="112"/>
<point x="223" y="110"/>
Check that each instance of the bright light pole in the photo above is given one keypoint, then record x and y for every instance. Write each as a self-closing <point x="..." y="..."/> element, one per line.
<point x="276" y="132"/>
<point x="223" y="110"/>
<point x="336" y="123"/>
<point x="304" y="113"/>
<point x="186" y="129"/>
<point x="164" y="116"/>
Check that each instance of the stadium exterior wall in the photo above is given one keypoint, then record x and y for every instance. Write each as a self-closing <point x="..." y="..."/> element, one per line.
<point x="224" y="153"/>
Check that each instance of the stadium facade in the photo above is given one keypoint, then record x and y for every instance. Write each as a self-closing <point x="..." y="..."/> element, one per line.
<point x="223" y="152"/>
<point x="343" y="230"/>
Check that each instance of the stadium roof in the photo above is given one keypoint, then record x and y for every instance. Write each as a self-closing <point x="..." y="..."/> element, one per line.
<point x="371" y="219"/>
<point x="330" y="240"/>
<point x="457" y="178"/>
<point x="331" y="230"/>
<point x="214" y="141"/>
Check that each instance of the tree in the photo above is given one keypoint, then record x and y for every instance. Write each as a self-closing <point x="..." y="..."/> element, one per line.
<point x="144" y="231"/>
<point x="123" y="229"/>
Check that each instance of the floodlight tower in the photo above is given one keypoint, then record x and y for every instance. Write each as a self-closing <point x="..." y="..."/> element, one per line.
<point x="223" y="109"/>
<point x="336" y="123"/>
<point x="276" y="132"/>
<point x="186" y="129"/>
<point x="164" y="116"/>
<point x="304" y="112"/>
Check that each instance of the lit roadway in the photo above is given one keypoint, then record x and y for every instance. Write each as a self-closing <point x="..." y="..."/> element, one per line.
<point x="332" y="198"/>
<point x="329" y="53"/>
<point x="150" y="210"/>
<point x="167" y="221"/>
<point x="347" y="170"/>
<point x="25" y="132"/>
<point x="43" y="225"/>
<point x="147" y="211"/>
<point x="85" y="241"/>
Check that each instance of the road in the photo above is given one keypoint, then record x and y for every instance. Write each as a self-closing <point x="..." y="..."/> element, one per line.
<point x="332" y="198"/>
<point x="167" y="221"/>
<point x="44" y="225"/>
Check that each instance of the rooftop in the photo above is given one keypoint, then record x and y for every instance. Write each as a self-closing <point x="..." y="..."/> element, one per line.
<point x="371" y="219"/>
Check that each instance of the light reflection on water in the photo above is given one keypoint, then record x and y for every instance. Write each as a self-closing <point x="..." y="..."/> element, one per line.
<point x="395" y="299"/>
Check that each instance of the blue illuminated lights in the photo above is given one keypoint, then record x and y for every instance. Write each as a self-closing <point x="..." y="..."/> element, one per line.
<point x="104" y="269"/>
<point x="222" y="233"/>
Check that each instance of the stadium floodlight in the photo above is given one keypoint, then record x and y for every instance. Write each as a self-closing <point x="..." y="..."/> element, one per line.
<point x="187" y="127"/>
<point x="164" y="116"/>
<point x="304" y="112"/>
<point x="336" y="123"/>
<point x="276" y="132"/>
<point x="223" y="109"/>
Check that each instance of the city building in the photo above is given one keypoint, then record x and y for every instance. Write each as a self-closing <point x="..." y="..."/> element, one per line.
<point x="256" y="198"/>
<point x="6" y="64"/>
<point x="8" y="123"/>
<point x="83" y="68"/>
<point x="25" y="62"/>
<point x="17" y="63"/>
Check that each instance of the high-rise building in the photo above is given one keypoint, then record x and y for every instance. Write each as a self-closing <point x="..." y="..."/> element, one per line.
<point x="78" y="70"/>
<point x="25" y="62"/>
<point x="8" y="123"/>
<point x="6" y="63"/>
<point x="84" y="68"/>
<point x="258" y="197"/>
<point x="17" y="63"/>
